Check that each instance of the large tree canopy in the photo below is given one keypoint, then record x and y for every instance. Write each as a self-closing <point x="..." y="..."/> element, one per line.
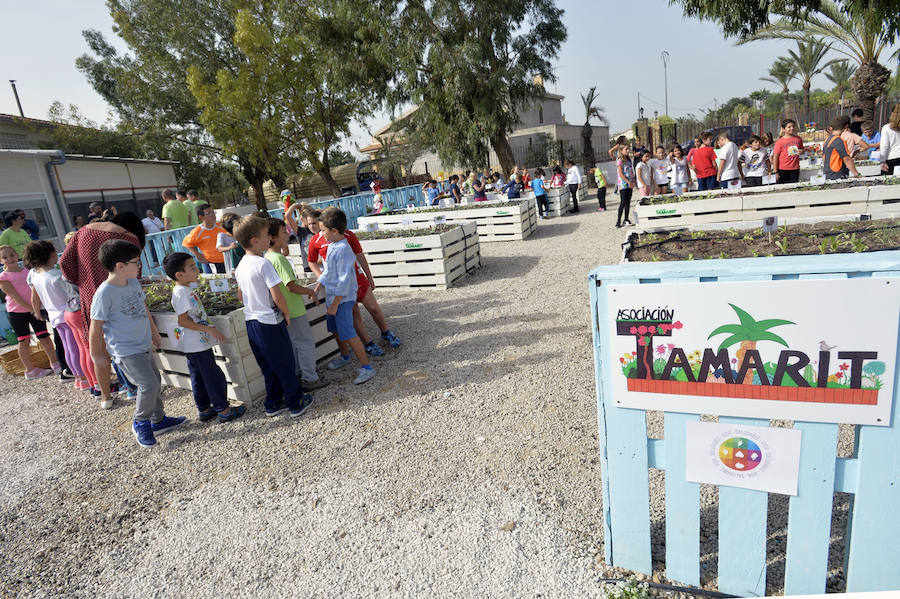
<point x="469" y="66"/>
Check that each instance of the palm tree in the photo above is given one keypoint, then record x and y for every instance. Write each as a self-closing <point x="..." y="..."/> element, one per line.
<point x="590" y="111"/>
<point x="839" y="74"/>
<point x="781" y="73"/>
<point x="857" y="32"/>
<point x="808" y="63"/>
<point x="747" y="333"/>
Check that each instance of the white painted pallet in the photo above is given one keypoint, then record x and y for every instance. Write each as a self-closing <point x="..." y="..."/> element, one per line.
<point x="495" y="222"/>
<point x="559" y="201"/>
<point x="824" y="202"/>
<point x="436" y="260"/>
<point x="689" y="212"/>
<point x="884" y="201"/>
<point x="245" y="382"/>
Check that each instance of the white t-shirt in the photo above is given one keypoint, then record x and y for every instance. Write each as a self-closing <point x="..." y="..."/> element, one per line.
<point x="660" y="171"/>
<point x="754" y="162"/>
<point x="729" y="155"/>
<point x="573" y="176"/>
<point x="255" y="276"/>
<point x="53" y="296"/>
<point x="184" y="299"/>
<point x="152" y="225"/>
<point x="679" y="171"/>
<point x="644" y="174"/>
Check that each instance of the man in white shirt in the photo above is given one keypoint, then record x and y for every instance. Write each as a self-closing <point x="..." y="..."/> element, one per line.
<point x="573" y="180"/>
<point x="152" y="224"/>
<point x="728" y="167"/>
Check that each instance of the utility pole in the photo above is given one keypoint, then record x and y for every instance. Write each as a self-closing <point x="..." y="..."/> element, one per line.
<point x="665" y="61"/>
<point x="639" y="104"/>
<point x="12" y="82"/>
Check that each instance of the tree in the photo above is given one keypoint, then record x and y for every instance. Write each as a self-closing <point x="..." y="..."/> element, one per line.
<point x="781" y="73"/>
<point x="399" y="152"/>
<point x="857" y="29"/>
<point x="808" y="63"/>
<point x="839" y="73"/>
<point x="747" y="333"/>
<point x="470" y="66"/>
<point x="590" y="111"/>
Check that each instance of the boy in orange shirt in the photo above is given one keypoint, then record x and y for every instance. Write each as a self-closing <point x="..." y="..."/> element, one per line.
<point x="203" y="237"/>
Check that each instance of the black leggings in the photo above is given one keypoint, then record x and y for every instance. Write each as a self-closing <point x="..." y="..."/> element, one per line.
<point x="543" y="207"/>
<point x="573" y="191"/>
<point x="624" y="205"/>
<point x="601" y="197"/>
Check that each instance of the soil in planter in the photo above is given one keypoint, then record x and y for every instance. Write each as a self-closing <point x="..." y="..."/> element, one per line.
<point x="396" y="233"/>
<point x="819" y="238"/>
<point x="470" y="206"/>
<point x="159" y="295"/>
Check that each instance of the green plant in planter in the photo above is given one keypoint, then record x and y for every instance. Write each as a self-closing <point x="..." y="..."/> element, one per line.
<point x="398" y="233"/>
<point x="782" y="245"/>
<point x="626" y="589"/>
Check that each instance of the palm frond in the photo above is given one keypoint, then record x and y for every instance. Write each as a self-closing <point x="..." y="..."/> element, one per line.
<point x="768" y="336"/>
<point x="772" y="322"/>
<point x="731" y="341"/>
<point x="727" y="328"/>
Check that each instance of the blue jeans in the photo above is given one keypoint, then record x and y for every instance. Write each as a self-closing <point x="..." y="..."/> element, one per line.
<point x="207" y="381"/>
<point x="706" y="183"/>
<point x="274" y="353"/>
<point x="724" y="184"/>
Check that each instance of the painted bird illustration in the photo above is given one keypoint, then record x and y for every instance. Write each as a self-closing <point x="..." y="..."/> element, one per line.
<point x="825" y="347"/>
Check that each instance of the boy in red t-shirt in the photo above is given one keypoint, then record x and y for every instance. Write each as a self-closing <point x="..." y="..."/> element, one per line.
<point x="318" y="247"/>
<point x="703" y="161"/>
<point x="786" y="154"/>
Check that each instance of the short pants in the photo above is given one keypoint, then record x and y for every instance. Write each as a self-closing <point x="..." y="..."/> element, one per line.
<point x="21" y="321"/>
<point x="342" y="322"/>
<point x="362" y="288"/>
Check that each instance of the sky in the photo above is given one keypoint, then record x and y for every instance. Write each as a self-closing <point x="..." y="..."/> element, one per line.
<point x="615" y="47"/>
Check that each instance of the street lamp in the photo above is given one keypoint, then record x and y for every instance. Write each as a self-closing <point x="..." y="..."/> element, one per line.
<point x="665" y="60"/>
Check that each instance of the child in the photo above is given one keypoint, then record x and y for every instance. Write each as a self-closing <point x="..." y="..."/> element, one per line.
<point x="786" y="154"/>
<point x="557" y="179"/>
<point x="14" y="283"/>
<point x="871" y="137"/>
<point x="754" y="162"/>
<point x="454" y="189"/>
<point x="600" y="178"/>
<point x="259" y="288"/>
<point x="540" y="194"/>
<point x="119" y="315"/>
<point x="75" y="319"/>
<point x="728" y="169"/>
<point x="205" y="238"/>
<point x="703" y="160"/>
<point x="338" y="278"/>
<point x="227" y="244"/>
<point x="681" y="175"/>
<point x="365" y="284"/>
<point x="513" y="187"/>
<point x="644" y="175"/>
<point x="625" y="182"/>
<point x="207" y="379"/>
<point x="301" y="334"/>
<point x="660" y="166"/>
<point x="47" y="289"/>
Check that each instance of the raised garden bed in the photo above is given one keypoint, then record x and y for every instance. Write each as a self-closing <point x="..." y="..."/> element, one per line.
<point x="513" y="220"/>
<point x="878" y="196"/>
<point x="245" y="381"/>
<point x="559" y="201"/>
<point x="436" y="256"/>
<point x="802" y="239"/>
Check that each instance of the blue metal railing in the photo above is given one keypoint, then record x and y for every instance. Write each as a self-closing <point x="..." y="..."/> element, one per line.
<point x="160" y="244"/>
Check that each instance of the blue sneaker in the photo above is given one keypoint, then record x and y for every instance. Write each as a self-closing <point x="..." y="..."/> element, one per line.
<point x="131" y="394"/>
<point x="373" y="350"/>
<point x="305" y="401"/>
<point x="391" y="338"/>
<point x="235" y="413"/>
<point x="143" y="432"/>
<point x="167" y="423"/>
<point x="276" y="411"/>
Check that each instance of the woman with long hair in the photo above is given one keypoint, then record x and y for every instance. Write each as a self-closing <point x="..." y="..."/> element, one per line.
<point x="890" y="142"/>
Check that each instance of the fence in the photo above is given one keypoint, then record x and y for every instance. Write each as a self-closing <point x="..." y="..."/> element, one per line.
<point x="158" y="245"/>
<point x="627" y="454"/>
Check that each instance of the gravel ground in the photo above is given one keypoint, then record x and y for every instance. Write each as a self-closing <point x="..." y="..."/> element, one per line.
<point x="467" y="468"/>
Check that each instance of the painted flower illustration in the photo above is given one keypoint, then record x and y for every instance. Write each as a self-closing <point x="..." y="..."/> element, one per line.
<point x="633" y="330"/>
<point x="677" y="324"/>
<point x="652" y="330"/>
<point x="642" y="330"/>
<point x="661" y="349"/>
<point x="839" y="375"/>
<point x="671" y="346"/>
<point x="642" y="341"/>
<point x="844" y="366"/>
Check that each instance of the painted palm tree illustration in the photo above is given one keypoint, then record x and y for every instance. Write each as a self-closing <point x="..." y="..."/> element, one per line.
<point x="747" y="332"/>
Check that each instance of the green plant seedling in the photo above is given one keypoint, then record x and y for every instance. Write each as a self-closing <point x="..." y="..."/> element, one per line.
<point x="782" y="245"/>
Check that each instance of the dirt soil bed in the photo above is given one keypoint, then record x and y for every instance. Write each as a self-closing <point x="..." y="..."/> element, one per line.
<point x="818" y="238"/>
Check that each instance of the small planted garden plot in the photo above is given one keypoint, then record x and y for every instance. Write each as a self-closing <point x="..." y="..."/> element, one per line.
<point x="819" y="238"/>
<point x="234" y="356"/>
<point x="513" y="220"/>
<point x="434" y="256"/>
<point x="559" y="201"/>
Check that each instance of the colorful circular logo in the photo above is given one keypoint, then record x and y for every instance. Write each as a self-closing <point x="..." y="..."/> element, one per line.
<point x="740" y="454"/>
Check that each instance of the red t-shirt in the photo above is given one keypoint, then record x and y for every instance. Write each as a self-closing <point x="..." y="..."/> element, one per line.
<point x="704" y="159"/>
<point x="318" y="248"/>
<point x="788" y="150"/>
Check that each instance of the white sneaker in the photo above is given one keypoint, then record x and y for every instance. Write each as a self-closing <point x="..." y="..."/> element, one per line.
<point x="363" y="375"/>
<point x="36" y="373"/>
<point x="338" y="361"/>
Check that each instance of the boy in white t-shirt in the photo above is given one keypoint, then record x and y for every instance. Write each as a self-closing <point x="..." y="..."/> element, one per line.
<point x="193" y="335"/>
<point x="728" y="167"/>
<point x="660" y="166"/>
<point x="267" y="316"/>
<point x="754" y="162"/>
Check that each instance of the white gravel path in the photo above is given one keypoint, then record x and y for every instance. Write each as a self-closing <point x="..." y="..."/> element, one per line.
<point x="392" y="489"/>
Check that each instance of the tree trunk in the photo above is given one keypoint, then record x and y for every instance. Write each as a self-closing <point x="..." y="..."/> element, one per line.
<point x="260" y="196"/>
<point x="587" y="155"/>
<point x="501" y="146"/>
<point x="745" y="345"/>
<point x="869" y="81"/>
<point x="255" y="176"/>
<point x="806" y="100"/>
<point x="324" y="169"/>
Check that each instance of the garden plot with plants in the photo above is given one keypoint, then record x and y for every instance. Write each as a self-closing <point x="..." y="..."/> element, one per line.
<point x="878" y="196"/>
<point x="234" y="356"/>
<point x="512" y="220"/>
<point x="435" y="256"/>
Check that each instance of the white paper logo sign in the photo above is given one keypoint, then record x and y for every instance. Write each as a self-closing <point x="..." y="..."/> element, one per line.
<point x="808" y="350"/>
<point x="370" y="227"/>
<point x="218" y="285"/>
<point x="749" y="457"/>
<point x="440" y="219"/>
<point x="817" y="179"/>
<point x="734" y="185"/>
<point x="770" y="224"/>
<point x="769" y="180"/>
<point x="406" y="220"/>
<point x="897" y="171"/>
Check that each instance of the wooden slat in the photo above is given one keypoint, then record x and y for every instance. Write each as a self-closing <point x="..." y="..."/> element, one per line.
<point x="682" y="506"/>
<point x="742" y="534"/>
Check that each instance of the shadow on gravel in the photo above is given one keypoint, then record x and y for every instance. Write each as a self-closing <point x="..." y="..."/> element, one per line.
<point x="553" y="227"/>
<point x="497" y="268"/>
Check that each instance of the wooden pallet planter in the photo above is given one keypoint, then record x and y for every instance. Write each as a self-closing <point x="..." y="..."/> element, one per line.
<point x="436" y="260"/>
<point x="559" y="201"/>
<point x="712" y="210"/>
<point x="12" y="364"/>
<point x="243" y="375"/>
<point x="884" y="201"/>
<point x="495" y="223"/>
<point x="824" y="202"/>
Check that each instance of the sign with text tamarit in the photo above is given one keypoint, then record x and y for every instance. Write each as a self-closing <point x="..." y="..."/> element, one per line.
<point x="811" y="350"/>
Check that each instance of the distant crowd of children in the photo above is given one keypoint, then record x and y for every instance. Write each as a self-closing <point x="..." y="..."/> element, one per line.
<point x="119" y="331"/>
